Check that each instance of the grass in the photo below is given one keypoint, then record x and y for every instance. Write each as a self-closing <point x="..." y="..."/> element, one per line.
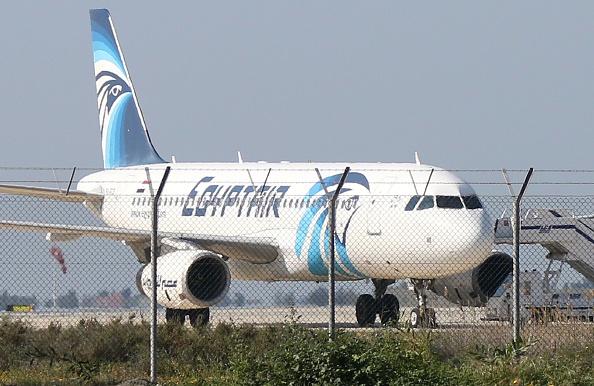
<point x="290" y="354"/>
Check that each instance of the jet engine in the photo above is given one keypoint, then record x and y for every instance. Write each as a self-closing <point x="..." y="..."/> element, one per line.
<point x="187" y="279"/>
<point x="475" y="287"/>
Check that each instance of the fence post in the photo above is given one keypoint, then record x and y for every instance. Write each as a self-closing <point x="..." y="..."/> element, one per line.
<point x="516" y="245"/>
<point x="332" y="230"/>
<point x="154" y="254"/>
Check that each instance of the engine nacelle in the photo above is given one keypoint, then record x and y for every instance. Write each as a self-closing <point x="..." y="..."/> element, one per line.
<point x="187" y="279"/>
<point x="475" y="287"/>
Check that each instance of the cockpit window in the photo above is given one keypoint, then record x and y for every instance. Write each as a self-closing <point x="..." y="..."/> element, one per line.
<point x="412" y="203"/>
<point x="426" y="203"/>
<point x="451" y="202"/>
<point x="472" y="202"/>
<point x="446" y="202"/>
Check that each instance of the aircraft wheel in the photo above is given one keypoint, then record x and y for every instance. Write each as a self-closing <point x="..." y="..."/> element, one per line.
<point x="173" y="315"/>
<point x="365" y="310"/>
<point x="389" y="309"/>
<point x="416" y="320"/>
<point x="199" y="316"/>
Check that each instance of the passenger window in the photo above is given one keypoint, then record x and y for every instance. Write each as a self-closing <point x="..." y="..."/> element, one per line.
<point x="472" y="202"/>
<point x="426" y="203"/>
<point x="451" y="202"/>
<point x="412" y="203"/>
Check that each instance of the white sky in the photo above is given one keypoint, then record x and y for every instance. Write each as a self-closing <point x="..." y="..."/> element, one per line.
<point x="469" y="85"/>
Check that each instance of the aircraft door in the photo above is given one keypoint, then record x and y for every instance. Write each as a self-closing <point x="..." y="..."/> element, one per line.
<point x="380" y="201"/>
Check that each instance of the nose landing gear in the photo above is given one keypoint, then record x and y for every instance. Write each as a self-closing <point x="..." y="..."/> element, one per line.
<point x="422" y="316"/>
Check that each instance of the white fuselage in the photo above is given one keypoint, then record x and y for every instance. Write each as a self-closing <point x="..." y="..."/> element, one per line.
<point x="380" y="232"/>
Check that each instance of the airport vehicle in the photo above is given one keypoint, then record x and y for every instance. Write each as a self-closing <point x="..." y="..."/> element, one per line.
<point x="540" y="300"/>
<point x="269" y="222"/>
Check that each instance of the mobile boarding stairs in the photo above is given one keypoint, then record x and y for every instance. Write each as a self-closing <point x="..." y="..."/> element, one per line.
<point x="569" y="239"/>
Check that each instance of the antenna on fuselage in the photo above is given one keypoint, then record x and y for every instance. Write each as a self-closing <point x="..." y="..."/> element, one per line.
<point x="56" y="179"/>
<point x="413" y="181"/>
<point x="418" y="162"/>
<point x="265" y="181"/>
<point x="508" y="183"/>
<point x="428" y="180"/>
<point x="246" y="169"/>
<point x="323" y="184"/>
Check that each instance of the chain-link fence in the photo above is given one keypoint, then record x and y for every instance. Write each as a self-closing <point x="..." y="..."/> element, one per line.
<point x="252" y="251"/>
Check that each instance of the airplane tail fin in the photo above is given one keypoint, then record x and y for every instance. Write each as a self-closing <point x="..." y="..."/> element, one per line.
<point x="125" y="138"/>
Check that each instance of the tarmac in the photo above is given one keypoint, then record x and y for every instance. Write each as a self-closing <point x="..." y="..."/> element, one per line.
<point x="312" y="316"/>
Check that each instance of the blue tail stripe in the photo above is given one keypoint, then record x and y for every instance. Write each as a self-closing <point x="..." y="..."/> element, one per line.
<point x="115" y="148"/>
<point x="126" y="140"/>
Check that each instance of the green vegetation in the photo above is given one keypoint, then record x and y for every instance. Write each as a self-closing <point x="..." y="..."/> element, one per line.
<point x="290" y="354"/>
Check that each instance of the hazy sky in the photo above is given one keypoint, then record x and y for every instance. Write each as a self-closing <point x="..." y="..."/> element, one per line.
<point x="467" y="84"/>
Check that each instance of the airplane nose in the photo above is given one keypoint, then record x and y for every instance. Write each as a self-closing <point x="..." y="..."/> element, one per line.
<point x="475" y="240"/>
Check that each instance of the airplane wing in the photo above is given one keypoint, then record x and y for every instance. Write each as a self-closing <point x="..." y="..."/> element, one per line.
<point x="258" y="250"/>
<point x="49" y="193"/>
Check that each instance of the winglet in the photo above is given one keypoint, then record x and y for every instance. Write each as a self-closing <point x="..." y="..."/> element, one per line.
<point x="417" y="159"/>
<point x="125" y="139"/>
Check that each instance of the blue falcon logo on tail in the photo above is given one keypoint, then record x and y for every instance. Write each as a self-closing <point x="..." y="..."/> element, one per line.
<point x="126" y="141"/>
<point x="109" y="88"/>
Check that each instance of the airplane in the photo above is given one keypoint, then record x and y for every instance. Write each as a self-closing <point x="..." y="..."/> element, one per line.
<point x="269" y="221"/>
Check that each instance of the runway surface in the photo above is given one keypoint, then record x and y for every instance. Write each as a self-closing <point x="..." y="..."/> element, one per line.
<point x="309" y="316"/>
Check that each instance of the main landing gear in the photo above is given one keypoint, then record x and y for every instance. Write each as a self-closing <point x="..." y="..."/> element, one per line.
<point x="386" y="305"/>
<point x="422" y="316"/>
<point x="198" y="316"/>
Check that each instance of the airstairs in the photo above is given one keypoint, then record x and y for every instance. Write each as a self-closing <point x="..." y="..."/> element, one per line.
<point x="568" y="238"/>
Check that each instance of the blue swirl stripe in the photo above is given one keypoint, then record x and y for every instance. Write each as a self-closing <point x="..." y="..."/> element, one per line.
<point x="313" y="227"/>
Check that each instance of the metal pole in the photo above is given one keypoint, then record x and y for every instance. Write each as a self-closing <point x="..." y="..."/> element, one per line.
<point x="331" y="274"/>
<point x="516" y="245"/>
<point x="154" y="254"/>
